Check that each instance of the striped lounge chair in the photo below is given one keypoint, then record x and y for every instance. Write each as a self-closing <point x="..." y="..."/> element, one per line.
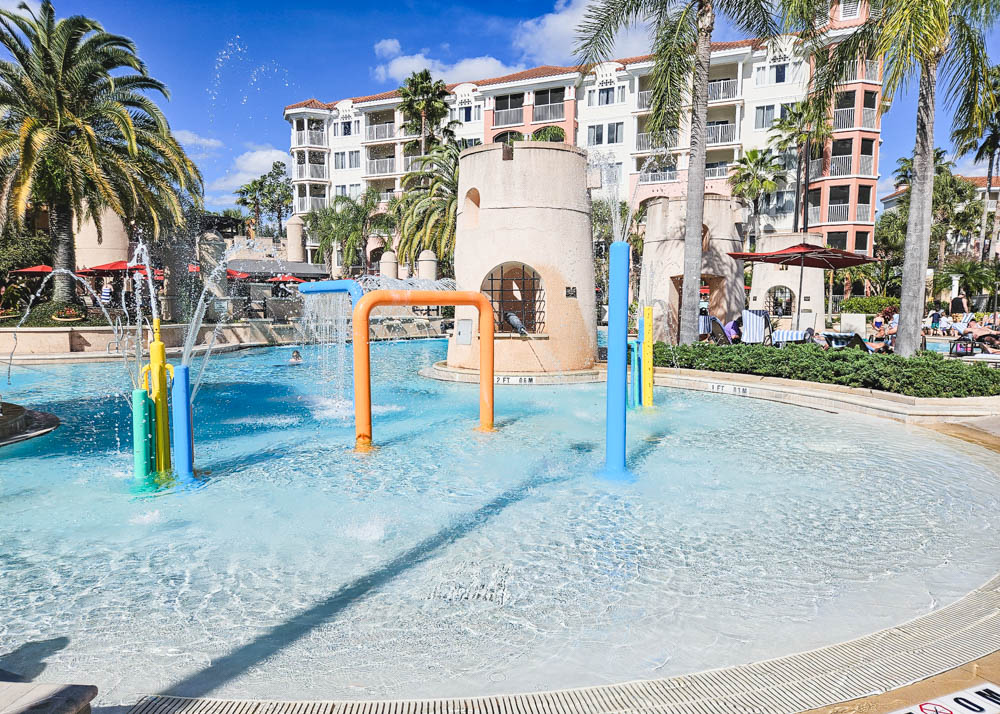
<point x="756" y="327"/>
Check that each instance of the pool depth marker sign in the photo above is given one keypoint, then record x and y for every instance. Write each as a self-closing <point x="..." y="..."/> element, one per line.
<point x="983" y="698"/>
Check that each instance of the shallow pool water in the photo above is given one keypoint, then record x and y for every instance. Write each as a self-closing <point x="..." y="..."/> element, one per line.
<point x="451" y="562"/>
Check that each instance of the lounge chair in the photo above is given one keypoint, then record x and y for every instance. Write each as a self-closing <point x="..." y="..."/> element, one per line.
<point x="718" y="333"/>
<point x="705" y="324"/>
<point x="840" y="340"/>
<point x="964" y="346"/>
<point x="756" y="328"/>
<point x="786" y="337"/>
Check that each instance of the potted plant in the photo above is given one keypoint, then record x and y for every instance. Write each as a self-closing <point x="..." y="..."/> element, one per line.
<point x="69" y="313"/>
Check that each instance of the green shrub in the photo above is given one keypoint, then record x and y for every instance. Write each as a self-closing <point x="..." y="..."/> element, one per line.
<point x="927" y="374"/>
<point x="869" y="305"/>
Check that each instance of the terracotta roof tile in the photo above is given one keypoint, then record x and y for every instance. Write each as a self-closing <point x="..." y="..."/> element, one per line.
<point x="308" y="104"/>
<point x="977" y="181"/>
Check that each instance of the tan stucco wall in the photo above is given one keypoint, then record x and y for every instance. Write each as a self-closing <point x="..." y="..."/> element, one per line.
<point x="663" y="261"/>
<point x="111" y="246"/>
<point x="533" y="209"/>
<point x="767" y="276"/>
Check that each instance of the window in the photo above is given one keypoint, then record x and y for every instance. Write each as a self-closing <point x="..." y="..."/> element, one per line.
<point x="605" y="96"/>
<point x="861" y="242"/>
<point x="517" y="288"/>
<point x="616" y="133"/>
<point x="595" y="135"/>
<point x="357" y="126"/>
<point x="771" y="74"/>
<point x="550" y="96"/>
<point x="590" y="97"/>
<point x="837" y="240"/>
<point x="849" y="9"/>
<point x="779" y="300"/>
<point x="355" y="190"/>
<point x="335" y="129"/>
<point x="782" y="201"/>
<point x="345" y="128"/>
<point x="338" y="160"/>
<point x="621" y="94"/>
<point x="355" y="159"/>
<point x="340" y="191"/>
<point x="479" y="112"/>
<point x="510" y="101"/>
<point x="778" y="72"/>
<point x="764" y="117"/>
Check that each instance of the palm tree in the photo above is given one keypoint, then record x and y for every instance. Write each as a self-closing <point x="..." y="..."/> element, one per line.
<point x="252" y="196"/>
<point x="974" y="276"/>
<point x="348" y="224"/>
<point x="79" y="134"/>
<point x="424" y="106"/>
<point x="904" y="167"/>
<point x="755" y="175"/>
<point x="984" y="140"/>
<point x="803" y="125"/>
<point x="682" y="46"/>
<point x="430" y="205"/>
<point x="549" y="133"/>
<point x="914" y="39"/>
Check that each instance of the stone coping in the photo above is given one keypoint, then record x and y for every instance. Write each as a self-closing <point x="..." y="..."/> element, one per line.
<point x="78" y="357"/>
<point x="441" y="371"/>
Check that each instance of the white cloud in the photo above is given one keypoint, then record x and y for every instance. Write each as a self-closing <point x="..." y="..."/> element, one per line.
<point x="248" y="166"/>
<point x="470" y="68"/>
<point x="389" y="47"/>
<point x="189" y="138"/>
<point x="967" y="166"/>
<point x="219" y="200"/>
<point x="12" y="5"/>
<point x="551" y="38"/>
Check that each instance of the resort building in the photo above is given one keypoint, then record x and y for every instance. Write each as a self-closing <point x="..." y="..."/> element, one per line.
<point x="344" y="146"/>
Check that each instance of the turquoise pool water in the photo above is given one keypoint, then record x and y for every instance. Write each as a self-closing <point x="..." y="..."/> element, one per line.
<point x="450" y="562"/>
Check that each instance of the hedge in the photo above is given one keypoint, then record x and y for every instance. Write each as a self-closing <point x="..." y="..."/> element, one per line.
<point x="926" y="374"/>
<point x="868" y="305"/>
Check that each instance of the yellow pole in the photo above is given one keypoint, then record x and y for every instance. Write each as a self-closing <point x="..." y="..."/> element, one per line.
<point x="647" y="357"/>
<point x="157" y="389"/>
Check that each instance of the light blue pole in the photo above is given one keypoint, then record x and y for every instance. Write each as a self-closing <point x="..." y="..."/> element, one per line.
<point x="182" y="422"/>
<point x="617" y="346"/>
<point x="351" y="287"/>
<point x="633" y="395"/>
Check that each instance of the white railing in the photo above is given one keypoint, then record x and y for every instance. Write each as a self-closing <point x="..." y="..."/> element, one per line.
<point x="864" y="212"/>
<point x="723" y="89"/>
<point x="991" y="206"/>
<point x="380" y="167"/>
<point x="386" y="196"/>
<point x="813" y="215"/>
<point x="549" y="112"/>
<point x="843" y="118"/>
<point x="716" y="171"/>
<point x="508" y="117"/>
<point x="310" y="171"/>
<point x="871" y="70"/>
<point x="305" y="204"/>
<point x="410" y="163"/>
<point x="837" y="212"/>
<point x="375" y="132"/>
<point x="869" y="118"/>
<point x="867" y="165"/>
<point x="815" y="168"/>
<point x="658" y="176"/>
<point x="840" y="165"/>
<point x="645" y="99"/>
<point x="849" y="9"/>
<point x="310" y="138"/>
<point x="722" y="134"/>
<point x="645" y="142"/>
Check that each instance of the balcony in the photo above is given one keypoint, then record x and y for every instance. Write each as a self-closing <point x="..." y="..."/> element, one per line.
<point x="864" y="213"/>
<point x="837" y="212"/>
<point x="645" y="142"/>
<point x="381" y="167"/>
<point x="721" y="134"/>
<point x="843" y="118"/>
<point x="871" y="71"/>
<point x="645" y="100"/>
<point x="310" y="138"/>
<point x="723" y="89"/>
<point x="869" y="118"/>
<point x="410" y="163"/>
<point x="867" y="165"/>
<point x="714" y="172"/>
<point x="386" y="196"/>
<point x="813" y="215"/>
<point x="658" y="176"/>
<point x="508" y="117"/>
<point x="305" y="204"/>
<point x="868" y="71"/>
<point x="815" y="169"/>
<point x="310" y="171"/>
<point x="549" y="112"/>
<point x="380" y="132"/>
<point x="840" y="165"/>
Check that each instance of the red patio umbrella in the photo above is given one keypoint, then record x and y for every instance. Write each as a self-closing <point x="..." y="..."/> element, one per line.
<point x="806" y="255"/>
<point x="285" y="279"/>
<point x="34" y="270"/>
<point x="236" y="274"/>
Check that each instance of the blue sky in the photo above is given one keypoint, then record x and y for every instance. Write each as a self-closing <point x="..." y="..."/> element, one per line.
<point x="232" y="66"/>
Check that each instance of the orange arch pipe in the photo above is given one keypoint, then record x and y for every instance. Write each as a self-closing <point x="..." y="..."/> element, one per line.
<point x="362" y="355"/>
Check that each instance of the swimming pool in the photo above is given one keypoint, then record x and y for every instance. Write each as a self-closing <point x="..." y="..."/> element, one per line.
<point x="450" y="562"/>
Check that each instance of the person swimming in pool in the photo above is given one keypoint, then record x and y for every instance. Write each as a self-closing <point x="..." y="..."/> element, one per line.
<point x="296" y="357"/>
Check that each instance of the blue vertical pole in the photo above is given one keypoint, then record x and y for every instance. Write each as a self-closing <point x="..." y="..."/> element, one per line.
<point x="633" y="374"/>
<point x="180" y="403"/>
<point x="640" y="324"/>
<point x="617" y="347"/>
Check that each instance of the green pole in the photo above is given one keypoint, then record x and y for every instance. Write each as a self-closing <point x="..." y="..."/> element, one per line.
<point x="142" y="442"/>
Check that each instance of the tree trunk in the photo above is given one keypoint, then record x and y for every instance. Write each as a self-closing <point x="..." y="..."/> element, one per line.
<point x="805" y="188"/>
<point x="986" y="207"/>
<point x="996" y="229"/>
<point x="696" y="176"/>
<point x="798" y="191"/>
<point x="916" y="249"/>
<point x="63" y="249"/>
<point x="423" y="133"/>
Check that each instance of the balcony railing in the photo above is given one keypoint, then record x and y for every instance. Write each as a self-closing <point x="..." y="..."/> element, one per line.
<point x="716" y="171"/>
<point x="864" y="212"/>
<point x="645" y="141"/>
<point x="305" y="204"/>
<point x="310" y="171"/>
<point x="645" y="99"/>
<point x="722" y="133"/>
<point x="843" y="118"/>
<point x="723" y="89"/>
<point x="410" y="163"/>
<point x="991" y="206"/>
<point x="658" y="176"/>
<point x="549" y="112"/>
<point x="386" y="196"/>
<point x="508" y="117"/>
<point x="867" y="165"/>
<point x="376" y="132"/>
<point x="815" y="168"/>
<point x="310" y="138"/>
<point x="381" y="167"/>
<point x="837" y="212"/>
<point x="840" y="165"/>
<point x="869" y="118"/>
<point x="813" y="215"/>
<point x="869" y="71"/>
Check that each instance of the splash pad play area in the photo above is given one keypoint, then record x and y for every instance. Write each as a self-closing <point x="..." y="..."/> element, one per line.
<point x="573" y="536"/>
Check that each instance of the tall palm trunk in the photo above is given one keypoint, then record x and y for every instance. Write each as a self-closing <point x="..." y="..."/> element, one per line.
<point x="63" y="248"/>
<point x="986" y="207"/>
<point x="996" y="229"/>
<point x="423" y="133"/>
<point x="798" y="190"/>
<point x="696" y="176"/>
<point x="916" y="249"/>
